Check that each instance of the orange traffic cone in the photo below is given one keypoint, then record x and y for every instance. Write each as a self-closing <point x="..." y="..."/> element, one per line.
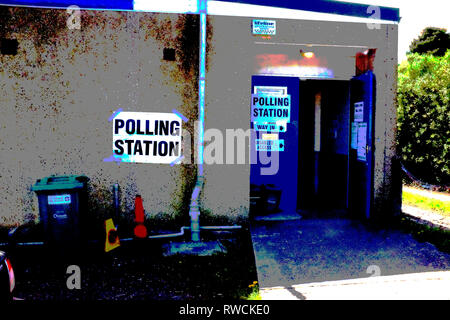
<point x="140" y="231"/>
<point x="112" y="239"/>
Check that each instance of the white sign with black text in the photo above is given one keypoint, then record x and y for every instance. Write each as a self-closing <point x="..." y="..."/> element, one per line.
<point x="147" y="137"/>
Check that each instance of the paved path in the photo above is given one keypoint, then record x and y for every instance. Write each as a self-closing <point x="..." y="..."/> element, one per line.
<point x="295" y="252"/>
<point x="427" y="217"/>
<point x="415" y="286"/>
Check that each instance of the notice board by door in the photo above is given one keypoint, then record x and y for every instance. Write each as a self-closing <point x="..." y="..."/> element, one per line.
<point x="285" y="134"/>
<point x="362" y="106"/>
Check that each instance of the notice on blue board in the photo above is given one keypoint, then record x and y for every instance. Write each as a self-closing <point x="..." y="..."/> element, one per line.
<point x="269" y="145"/>
<point x="278" y="126"/>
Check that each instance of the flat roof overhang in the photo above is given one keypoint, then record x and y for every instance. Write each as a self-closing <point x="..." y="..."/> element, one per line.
<point x="332" y="7"/>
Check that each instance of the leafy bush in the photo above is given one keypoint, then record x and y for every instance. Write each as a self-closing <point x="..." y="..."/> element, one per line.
<point x="424" y="116"/>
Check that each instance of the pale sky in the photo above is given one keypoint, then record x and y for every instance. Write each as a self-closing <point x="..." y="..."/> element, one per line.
<point x="415" y="14"/>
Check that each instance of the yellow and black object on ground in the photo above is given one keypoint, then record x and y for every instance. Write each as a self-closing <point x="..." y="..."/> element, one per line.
<point x="112" y="238"/>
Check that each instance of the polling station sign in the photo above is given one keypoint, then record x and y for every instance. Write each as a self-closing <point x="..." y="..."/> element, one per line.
<point x="147" y="137"/>
<point x="270" y="108"/>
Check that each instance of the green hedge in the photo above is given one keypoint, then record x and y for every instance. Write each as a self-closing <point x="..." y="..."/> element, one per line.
<point x="424" y="116"/>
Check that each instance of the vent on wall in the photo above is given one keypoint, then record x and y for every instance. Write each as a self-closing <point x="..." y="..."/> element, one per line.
<point x="169" y="54"/>
<point x="9" y="46"/>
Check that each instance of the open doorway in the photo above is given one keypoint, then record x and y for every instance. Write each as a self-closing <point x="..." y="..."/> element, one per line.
<point x="325" y="164"/>
<point x="324" y="120"/>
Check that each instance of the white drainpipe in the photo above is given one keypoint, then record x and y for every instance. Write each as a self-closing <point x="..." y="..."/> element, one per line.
<point x="194" y="211"/>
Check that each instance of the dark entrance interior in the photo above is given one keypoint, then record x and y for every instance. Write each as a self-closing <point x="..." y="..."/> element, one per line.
<point x="324" y="118"/>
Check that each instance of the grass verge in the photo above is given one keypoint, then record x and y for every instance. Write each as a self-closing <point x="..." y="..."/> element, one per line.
<point x="423" y="202"/>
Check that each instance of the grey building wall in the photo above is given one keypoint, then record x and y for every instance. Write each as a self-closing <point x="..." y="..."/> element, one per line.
<point x="233" y="60"/>
<point x="57" y="94"/>
<point x="60" y="89"/>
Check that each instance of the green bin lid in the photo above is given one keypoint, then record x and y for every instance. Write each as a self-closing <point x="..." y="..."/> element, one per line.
<point x="60" y="183"/>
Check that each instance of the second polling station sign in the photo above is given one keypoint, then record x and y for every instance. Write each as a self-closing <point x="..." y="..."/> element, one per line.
<point x="147" y="137"/>
<point x="270" y="108"/>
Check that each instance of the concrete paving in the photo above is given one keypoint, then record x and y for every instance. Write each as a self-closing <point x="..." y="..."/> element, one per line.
<point x="415" y="286"/>
<point x="427" y="217"/>
<point x="295" y="252"/>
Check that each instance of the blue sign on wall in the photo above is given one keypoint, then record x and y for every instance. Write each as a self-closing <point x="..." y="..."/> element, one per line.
<point x="285" y="162"/>
<point x="264" y="27"/>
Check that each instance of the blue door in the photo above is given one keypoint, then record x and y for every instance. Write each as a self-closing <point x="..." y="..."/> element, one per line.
<point x="277" y="168"/>
<point x="362" y="106"/>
